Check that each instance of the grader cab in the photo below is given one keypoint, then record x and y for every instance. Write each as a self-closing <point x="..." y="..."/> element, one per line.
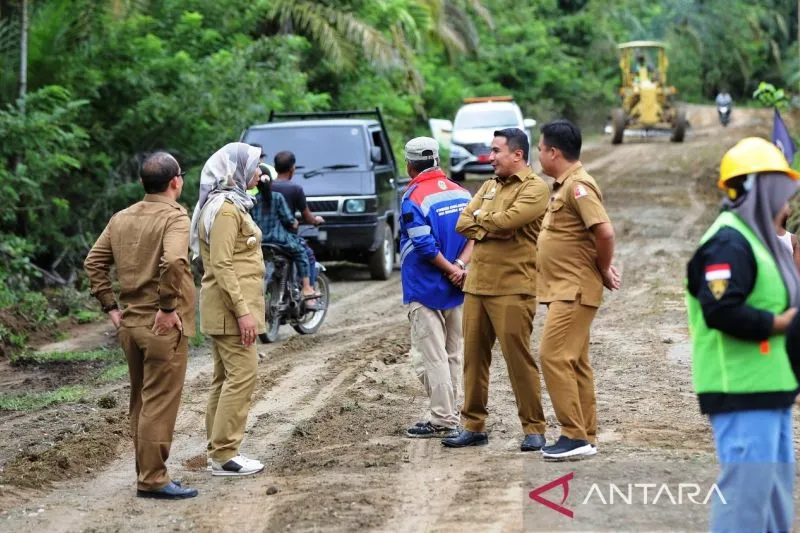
<point x="647" y="101"/>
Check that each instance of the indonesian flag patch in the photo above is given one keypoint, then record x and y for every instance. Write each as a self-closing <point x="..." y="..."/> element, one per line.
<point x="580" y="191"/>
<point x="718" y="277"/>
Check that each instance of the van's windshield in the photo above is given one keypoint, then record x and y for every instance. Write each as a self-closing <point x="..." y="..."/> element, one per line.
<point x="315" y="147"/>
<point x="467" y="119"/>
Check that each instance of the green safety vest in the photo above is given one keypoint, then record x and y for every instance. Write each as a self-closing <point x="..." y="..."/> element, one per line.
<point x="724" y="364"/>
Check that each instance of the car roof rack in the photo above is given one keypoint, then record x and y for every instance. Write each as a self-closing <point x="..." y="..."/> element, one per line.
<point x="317" y="115"/>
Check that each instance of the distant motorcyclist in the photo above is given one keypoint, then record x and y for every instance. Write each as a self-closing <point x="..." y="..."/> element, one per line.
<point x="724" y="106"/>
<point x="724" y="99"/>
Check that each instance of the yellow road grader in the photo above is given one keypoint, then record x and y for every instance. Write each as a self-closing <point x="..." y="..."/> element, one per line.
<point x="648" y="102"/>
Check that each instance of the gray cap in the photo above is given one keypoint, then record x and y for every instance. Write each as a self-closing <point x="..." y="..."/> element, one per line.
<point x="422" y="149"/>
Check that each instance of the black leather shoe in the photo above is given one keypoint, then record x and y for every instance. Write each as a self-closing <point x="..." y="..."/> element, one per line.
<point x="532" y="443"/>
<point x="170" y="491"/>
<point x="466" y="438"/>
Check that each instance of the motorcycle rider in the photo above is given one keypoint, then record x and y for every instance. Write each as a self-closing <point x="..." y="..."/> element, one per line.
<point x="296" y="199"/>
<point x="724" y="100"/>
<point x="271" y="214"/>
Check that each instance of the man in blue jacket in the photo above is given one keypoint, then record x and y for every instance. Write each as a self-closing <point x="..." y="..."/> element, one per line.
<point x="433" y="261"/>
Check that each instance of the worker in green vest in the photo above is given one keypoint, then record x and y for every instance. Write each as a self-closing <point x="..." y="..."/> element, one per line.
<point x="742" y="292"/>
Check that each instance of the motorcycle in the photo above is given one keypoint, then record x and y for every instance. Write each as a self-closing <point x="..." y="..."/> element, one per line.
<point x="724" y="112"/>
<point x="285" y="303"/>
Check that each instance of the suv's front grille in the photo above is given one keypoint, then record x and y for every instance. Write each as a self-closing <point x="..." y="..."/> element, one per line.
<point x="477" y="148"/>
<point x="323" y="206"/>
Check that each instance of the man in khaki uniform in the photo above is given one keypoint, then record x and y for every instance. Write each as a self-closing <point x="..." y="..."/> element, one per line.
<point x="148" y="243"/>
<point x="231" y="299"/>
<point x="576" y="246"/>
<point x="503" y="219"/>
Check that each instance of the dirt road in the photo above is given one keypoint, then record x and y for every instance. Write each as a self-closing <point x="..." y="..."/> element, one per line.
<point x="329" y="410"/>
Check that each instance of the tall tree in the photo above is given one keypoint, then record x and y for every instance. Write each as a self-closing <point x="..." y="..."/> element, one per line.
<point x="23" y="54"/>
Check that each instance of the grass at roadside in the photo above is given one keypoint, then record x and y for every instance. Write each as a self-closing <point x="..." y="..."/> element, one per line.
<point x="114" y="372"/>
<point x="39" y="358"/>
<point x="36" y="400"/>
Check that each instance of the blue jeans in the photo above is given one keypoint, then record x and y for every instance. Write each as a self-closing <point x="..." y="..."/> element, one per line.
<point x="757" y="463"/>
<point x="312" y="262"/>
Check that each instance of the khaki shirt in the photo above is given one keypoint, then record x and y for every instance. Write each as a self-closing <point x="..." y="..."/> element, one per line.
<point x="149" y="245"/>
<point x="515" y="204"/>
<point x="567" y="251"/>
<point x="233" y="281"/>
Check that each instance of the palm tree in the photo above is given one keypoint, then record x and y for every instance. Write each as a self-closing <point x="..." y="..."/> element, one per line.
<point x="341" y="35"/>
<point x="452" y="25"/>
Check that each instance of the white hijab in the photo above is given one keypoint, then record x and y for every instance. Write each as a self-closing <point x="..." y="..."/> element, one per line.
<point x="224" y="177"/>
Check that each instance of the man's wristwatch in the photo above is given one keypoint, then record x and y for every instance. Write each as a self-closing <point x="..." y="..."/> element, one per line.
<point x="110" y="307"/>
<point x="460" y="263"/>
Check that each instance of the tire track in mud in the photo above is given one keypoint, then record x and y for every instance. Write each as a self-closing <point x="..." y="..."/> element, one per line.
<point x="286" y="395"/>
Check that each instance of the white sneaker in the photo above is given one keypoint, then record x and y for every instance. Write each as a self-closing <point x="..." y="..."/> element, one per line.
<point x="238" y="466"/>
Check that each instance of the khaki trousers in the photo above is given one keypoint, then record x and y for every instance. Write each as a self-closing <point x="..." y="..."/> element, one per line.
<point x="235" y="368"/>
<point x="157" y="367"/>
<point x="510" y="320"/>
<point x="566" y="368"/>
<point x="437" y="349"/>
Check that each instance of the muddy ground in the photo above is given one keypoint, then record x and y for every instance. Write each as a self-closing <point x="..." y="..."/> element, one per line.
<point x="330" y="410"/>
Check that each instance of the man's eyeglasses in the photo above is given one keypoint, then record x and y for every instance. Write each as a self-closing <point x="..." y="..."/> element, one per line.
<point x="181" y="174"/>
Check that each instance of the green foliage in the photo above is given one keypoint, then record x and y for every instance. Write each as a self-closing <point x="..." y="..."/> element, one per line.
<point x="42" y="358"/>
<point x="36" y="400"/>
<point x="114" y="372"/>
<point x="85" y="316"/>
<point x="109" y="82"/>
<point x="12" y="338"/>
<point x="35" y="308"/>
<point x="198" y="340"/>
<point x="16" y="270"/>
<point x="69" y="301"/>
<point x="769" y="96"/>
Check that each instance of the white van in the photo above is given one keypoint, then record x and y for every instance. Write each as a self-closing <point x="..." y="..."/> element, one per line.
<point x="470" y="136"/>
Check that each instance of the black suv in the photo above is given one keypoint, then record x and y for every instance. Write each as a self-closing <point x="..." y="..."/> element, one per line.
<point x="348" y="172"/>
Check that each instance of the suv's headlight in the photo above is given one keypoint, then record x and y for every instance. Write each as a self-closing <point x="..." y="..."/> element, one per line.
<point x="355" y="205"/>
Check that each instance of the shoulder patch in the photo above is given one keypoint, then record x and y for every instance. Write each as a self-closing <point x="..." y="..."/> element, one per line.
<point x="580" y="191"/>
<point x="718" y="278"/>
<point x="718" y="271"/>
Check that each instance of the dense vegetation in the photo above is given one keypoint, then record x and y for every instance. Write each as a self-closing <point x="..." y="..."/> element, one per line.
<point x="109" y="81"/>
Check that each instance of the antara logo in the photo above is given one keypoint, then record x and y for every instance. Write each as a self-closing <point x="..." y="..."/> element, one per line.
<point x="651" y="494"/>
<point x="563" y="482"/>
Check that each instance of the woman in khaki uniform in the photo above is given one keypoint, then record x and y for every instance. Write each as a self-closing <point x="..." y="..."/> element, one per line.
<point x="231" y="298"/>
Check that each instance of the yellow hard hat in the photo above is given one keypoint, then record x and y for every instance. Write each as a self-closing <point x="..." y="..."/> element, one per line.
<point x="751" y="156"/>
